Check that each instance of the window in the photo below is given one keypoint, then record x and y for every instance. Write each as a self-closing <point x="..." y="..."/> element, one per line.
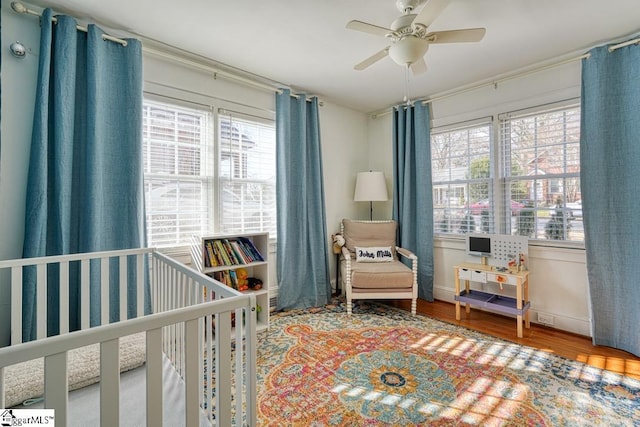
<point x="461" y="174"/>
<point x="247" y="169"/>
<point x="542" y="158"/>
<point x="534" y="190"/>
<point x="175" y="172"/>
<point x="198" y="181"/>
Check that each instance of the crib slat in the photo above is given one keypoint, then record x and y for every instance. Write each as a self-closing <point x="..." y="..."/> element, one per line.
<point x="16" y="306"/>
<point x="223" y="367"/>
<point x="41" y="301"/>
<point x="64" y="297"/>
<point x="154" y="377"/>
<point x="250" y="372"/>
<point x="104" y="291"/>
<point x="206" y="296"/>
<point x="124" y="282"/>
<point x="140" y="285"/>
<point x="56" y="387"/>
<point x="2" y="405"/>
<point x="109" y="383"/>
<point x="240" y="326"/>
<point x="192" y="377"/>
<point x="85" y="298"/>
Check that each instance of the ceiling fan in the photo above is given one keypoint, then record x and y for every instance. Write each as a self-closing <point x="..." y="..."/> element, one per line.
<point x="409" y="35"/>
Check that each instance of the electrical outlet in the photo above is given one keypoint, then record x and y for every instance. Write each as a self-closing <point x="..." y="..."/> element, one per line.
<point x="545" y="319"/>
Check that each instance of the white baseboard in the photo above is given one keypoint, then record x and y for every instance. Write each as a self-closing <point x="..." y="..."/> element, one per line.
<point x="560" y="321"/>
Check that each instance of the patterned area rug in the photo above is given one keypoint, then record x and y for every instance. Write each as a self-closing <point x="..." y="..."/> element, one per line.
<point x="381" y="366"/>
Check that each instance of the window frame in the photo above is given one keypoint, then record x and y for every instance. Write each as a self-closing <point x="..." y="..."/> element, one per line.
<point x="206" y="165"/>
<point x="212" y="182"/>
<point x="460" y="219"/>
<point x="565" y="145"/>
<point x="501" y="174"/>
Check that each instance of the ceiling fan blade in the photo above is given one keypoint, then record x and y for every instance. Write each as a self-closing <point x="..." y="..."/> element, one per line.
<point x="419" y="67"/>
<point x="457" y="36"/>
<point x="372" y="59"/>
<point x="430" y="12"/>
<point x="368" y="28"/>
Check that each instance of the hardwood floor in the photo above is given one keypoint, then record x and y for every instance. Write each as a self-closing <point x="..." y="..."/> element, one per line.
<point x="566" y="344"/>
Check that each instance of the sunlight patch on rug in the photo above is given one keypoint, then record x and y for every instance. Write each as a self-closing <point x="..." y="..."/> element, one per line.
<point x="385" y="367"/>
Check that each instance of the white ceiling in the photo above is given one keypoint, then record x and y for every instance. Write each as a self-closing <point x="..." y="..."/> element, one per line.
<point x="304" y="43"/>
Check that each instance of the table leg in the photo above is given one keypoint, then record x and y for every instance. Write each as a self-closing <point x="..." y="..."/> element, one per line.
<point x="467" y="306"/>
<point x="457" y="283"/>
<point x="337" y="274"/>
<point x="519" y="305"/>
<point x="527" y="322"/>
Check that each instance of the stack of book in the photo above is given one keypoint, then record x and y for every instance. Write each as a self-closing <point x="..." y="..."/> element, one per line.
<point x="227" y="252"/>
<point x="226" y="277"/>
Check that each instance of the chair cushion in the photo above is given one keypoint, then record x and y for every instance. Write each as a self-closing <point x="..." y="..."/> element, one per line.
<point x="369" y="234"/>
<point x="384" y="275"/>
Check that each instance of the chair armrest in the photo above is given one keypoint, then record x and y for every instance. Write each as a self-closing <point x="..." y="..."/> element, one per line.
<point x="346" y="255"/>
<point x="406" y="253"/>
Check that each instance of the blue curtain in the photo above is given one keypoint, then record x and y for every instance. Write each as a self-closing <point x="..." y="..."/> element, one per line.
<point x="303" y="260"/>
<point x="85" y="179"/>
<point x="610" y="172"/>
<point x="412" y="193"/>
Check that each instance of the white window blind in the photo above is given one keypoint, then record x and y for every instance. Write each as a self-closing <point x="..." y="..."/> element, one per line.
<point x="541" y="156"/>
<point x="247" y="173"/>
<point x="462" y="174"/>
<point x="176" y="172"/>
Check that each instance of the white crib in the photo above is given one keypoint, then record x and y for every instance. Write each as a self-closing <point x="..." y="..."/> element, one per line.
<point x="188" y="308"/>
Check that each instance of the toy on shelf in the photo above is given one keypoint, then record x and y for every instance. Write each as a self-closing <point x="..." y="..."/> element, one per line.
<point x="243" y="275"/>
<point x="254" y="284"/>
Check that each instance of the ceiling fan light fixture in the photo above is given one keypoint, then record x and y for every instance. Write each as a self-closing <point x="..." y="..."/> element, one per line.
<point x="407" y="6"/>
<point x="408" y="50"/>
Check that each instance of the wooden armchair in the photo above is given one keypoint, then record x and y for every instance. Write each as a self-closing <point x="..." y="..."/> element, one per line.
<point x="369" y="263"/>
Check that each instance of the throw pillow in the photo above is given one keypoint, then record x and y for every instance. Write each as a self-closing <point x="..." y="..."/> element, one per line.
<point x="374" y="254"/>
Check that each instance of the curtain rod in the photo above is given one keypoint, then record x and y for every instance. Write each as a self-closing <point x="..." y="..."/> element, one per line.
<point x="20" y="8"/>
<point x="510" y="77"/>
<point x="273" y="87"/>
<point x="494" y="82"/>
<point x="210" y="69"/>
<point x="507" y="78"/>
<point x="623" y="44"/>
<point x="543" y="68"/>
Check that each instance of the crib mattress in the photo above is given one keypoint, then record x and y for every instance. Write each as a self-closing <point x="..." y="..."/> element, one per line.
<point x="84" y="403"/>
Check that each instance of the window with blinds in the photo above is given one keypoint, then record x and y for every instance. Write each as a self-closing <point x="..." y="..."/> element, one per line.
<point x="199" y="181"/>
<point x="176" y="172"/>
<point x="541" y="156"/>
<point x="247" y="173"/>
<point x="462" y="179"/>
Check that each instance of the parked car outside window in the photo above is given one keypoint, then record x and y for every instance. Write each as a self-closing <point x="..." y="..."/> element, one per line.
<point x="482" y="205"/>
<point x="575" y="209"/>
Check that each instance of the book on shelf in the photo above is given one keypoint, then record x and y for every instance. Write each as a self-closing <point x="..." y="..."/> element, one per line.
<point x="210" y="258"/>
<point x="248" y="244"/>
<point x="229" y="252"/>
<point x="242" y="257"/>
<point x="235" y="259"/>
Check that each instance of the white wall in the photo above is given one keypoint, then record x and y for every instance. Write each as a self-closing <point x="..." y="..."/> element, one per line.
<point x="351" y="142"/>
<point x="18" y="94"/>
<point x="343" y="132"/>
<point x="558" y="280"/>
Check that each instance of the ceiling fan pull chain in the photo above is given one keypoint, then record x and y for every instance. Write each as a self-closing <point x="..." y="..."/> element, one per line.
<point x="406" y="83"/>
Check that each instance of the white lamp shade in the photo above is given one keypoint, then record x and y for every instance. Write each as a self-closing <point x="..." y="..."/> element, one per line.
<point x="371" y="187"/>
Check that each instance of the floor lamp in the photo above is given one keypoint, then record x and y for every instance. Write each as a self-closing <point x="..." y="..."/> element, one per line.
<point x="371" y="187"/>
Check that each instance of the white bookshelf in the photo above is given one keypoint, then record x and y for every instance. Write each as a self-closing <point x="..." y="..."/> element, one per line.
<point x="257" y="269"/>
